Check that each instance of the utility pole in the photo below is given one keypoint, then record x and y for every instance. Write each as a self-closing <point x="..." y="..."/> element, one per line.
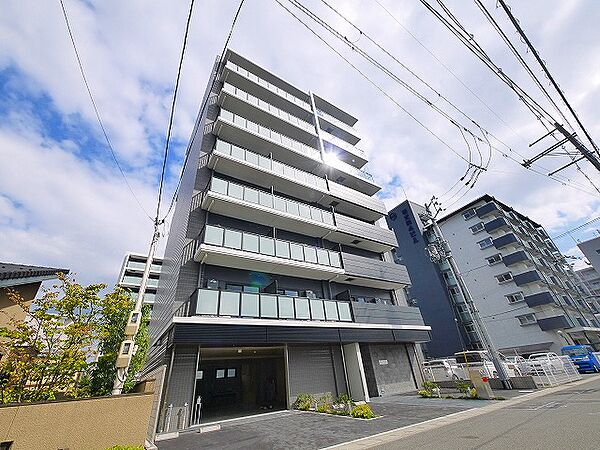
<point x="541" y="62"/>
<point x="128" y="347"/>
<point x="441" y="251"/>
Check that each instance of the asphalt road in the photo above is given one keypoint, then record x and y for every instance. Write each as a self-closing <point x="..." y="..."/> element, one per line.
<point x="568" y="419"/>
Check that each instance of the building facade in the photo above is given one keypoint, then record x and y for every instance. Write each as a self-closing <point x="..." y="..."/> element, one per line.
<point x="277" y="280"/>
<point x="591" y="250"/>
<point x="25" y="282"/>
<point x="130" y="276"/>
<point x="523" y="288"/>
<point x="589" y="286"/>
<point x="428" y="290"/>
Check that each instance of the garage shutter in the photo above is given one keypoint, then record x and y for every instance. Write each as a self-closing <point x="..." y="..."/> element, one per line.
<point x="311" y="370"/>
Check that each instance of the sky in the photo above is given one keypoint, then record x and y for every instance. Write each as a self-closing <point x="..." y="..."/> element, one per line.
<point x="64" y="203"/>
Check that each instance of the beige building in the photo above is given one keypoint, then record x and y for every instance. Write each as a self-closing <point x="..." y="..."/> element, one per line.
<point x="24" y="281"/>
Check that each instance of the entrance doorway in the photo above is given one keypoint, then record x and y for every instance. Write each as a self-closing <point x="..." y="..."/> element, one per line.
<point x="233" y="382"/>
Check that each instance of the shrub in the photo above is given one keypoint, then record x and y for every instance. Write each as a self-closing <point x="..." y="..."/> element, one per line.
<point x="462" y="386"/>
<point x="430" y="385"/>
<point x="325" y="400"/>
<point x="304" y="402"/>
<point x="362" y="412"/>
<point x="430" y="389"/>
<point x="425" y="393"/>
<point x="323" y="408"/>
<point x="345" y="399"/>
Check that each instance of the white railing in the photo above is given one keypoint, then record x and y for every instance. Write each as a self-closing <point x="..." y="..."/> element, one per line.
<point x="550" y="372"/>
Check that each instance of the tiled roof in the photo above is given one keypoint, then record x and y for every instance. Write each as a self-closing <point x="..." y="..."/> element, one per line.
<point x="10" y="271"/>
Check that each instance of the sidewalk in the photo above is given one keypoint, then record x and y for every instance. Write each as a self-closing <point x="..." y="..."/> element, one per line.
<point x="573" y="403"/>
<point x="307" y="430"/>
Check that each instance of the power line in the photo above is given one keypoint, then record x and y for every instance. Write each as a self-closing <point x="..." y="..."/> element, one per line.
<point x="583" y="225"/>
<point x="96" y="111"/>
<point x="172" y="113"/>
<point x="202" y="109"/>
<point x="547" y="72"/>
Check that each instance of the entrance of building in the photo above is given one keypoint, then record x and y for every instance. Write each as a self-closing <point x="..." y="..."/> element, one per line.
<point x="233" y="382"/>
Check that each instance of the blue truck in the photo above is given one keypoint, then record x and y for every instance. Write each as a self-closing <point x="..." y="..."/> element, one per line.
<point x="584" y="357"/>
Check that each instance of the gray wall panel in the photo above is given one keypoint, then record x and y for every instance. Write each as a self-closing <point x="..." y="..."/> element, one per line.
<point x="365" y="230"/>
<point x="369" y="268"/>
<point x="392" y="314"/>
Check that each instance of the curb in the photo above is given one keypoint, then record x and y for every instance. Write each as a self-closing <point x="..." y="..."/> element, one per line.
<point x="409" y="430"/>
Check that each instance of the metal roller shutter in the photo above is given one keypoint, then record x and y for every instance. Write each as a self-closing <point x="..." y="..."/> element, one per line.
<point x="311" y="370"/>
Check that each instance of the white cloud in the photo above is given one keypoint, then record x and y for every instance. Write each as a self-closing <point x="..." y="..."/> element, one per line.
<point x="58" y="208"/>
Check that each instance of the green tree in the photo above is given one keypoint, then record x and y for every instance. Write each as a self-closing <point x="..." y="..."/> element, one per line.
<point x="117" y="306"/>
<point x="46" y="355"/>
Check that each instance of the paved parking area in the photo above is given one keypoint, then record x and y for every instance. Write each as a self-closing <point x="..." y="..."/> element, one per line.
<point x="306" y="430"/>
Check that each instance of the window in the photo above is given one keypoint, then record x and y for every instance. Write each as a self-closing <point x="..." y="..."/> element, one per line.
<point x="516" y="297"/>
<point x="477" y="228"/>
<point x="487" y="242"/>
<point x="494" y="259"/>
<point x="469" y="213"/>
<point x="504" y="278"/>
<point x="470" y="328"/>
<point x="581" y="321"/>
<point x="231" y="373"/>
<point x="527" y="319"/>
<point x="220" y="373"/>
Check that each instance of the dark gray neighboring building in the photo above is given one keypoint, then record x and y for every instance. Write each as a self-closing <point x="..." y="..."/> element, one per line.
<point x="276" y="278"/>
<point x="428" y="290"/>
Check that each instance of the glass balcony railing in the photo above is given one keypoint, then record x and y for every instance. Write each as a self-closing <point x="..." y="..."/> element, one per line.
<point x="332" y="160"/>
<point x="268" y="246"/>
<point x="137" y="281"/>
<point x="267" y="163"/>
<point x="308" y="127"/>
<point x="269" y="306"/>
<point x="269" y="200"/>
<point x="337" y="122"/>
<point x="138" y="265"/>
<point x="267" y="85"/>
<point x="267" y="133"/>
<point x="328" y="137"/>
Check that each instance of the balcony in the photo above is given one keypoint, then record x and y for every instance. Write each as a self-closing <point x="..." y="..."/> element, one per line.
<point x="515" y="258"/>
<point x="231" y="248"/>
<point x="140" y="266"/>
<point x="253" y="84"/>
<point x="497" y="224"/>
<point x="386" y="313"/>
<point x="554" y="323"/>
<point x="532" y="276"/>
<point x="505" y="241"/>
<point x="539" y="299"/>
<point x="361" y="234"/>
<point x="370" y="272"/>
<point x="210" y="302"/>
<point x="261" y="170"/>
<point x="236" y="129"/>
<point x="247" y="105"/>
<point x="343" y="173"/>
<point x="327" y="122"/>
<point x="253" y="205"/>
<point x="490" y="209"/>
<point x="345" y="151"/>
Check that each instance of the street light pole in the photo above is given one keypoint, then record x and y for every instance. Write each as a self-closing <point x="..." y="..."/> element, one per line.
<point x="443" y="252"/>
<point x="128" y="348"/>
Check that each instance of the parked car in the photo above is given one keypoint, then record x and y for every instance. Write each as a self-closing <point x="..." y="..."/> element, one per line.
<point x="481" y="360"/>
<point x="550" y="359"/>
<point x="442" y="370"/>
<point x="584" y="357"/>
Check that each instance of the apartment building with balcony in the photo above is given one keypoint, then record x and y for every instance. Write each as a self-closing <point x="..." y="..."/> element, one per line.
<point x="130" y="276"/>
<point x="524" y="289"/>
<point x="277" y="278"/>
<point x="588" y="280"/>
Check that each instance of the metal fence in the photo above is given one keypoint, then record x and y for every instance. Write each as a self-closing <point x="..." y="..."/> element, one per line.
<point x="551" y="372"/>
